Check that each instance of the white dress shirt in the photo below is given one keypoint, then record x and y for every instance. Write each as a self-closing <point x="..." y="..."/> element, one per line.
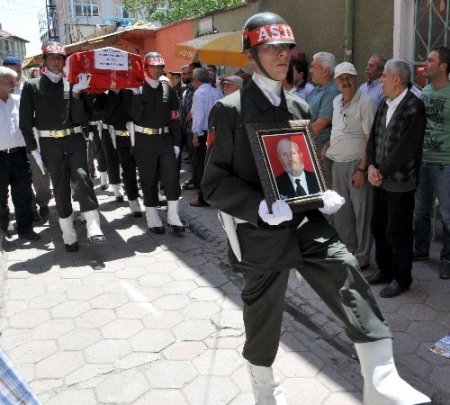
<point x="10" y="133"/>
<point x="302" y="179"/>
<point x="393" y="104"/>
<point x="204" y="98"/>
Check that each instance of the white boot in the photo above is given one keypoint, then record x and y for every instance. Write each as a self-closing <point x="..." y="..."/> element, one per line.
<point x="173" y="219"/>
<point x="382" y="384"/>
<point x="104" y="180"/>
<point x="94" y="232"/>
<point x="68" y="233"/>
<point x="135" y="207"/>
<point x="266" y="390"/>
<point x="153" y="220"/>
<point x="117" y="189"/>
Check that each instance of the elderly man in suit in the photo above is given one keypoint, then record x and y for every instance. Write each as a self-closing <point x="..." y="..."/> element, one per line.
<point x="295" y="181"/>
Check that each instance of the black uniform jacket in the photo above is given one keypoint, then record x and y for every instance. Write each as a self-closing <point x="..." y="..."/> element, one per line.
<point x="157" y="108"/>
<point x="231" y="183"/>
<point x="114" y="108"/>
<point x="47" y="105"/>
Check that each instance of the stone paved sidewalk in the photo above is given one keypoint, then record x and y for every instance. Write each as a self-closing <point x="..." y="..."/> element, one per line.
<point x="156" y="320"/>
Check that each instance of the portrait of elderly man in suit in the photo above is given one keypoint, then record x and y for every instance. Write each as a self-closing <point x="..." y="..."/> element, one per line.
<point x="295" y="181"/>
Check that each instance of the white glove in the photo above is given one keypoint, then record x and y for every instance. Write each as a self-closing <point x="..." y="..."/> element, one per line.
<point x="281" y="212"/>
<point x="83" y="82"/>
<point x="332" y="201"/>
<point x="38" y="158"/>
<point x="91" y="136"/>
<point x="176" y="149"/>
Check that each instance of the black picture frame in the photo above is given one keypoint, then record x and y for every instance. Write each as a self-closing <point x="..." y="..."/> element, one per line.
<point x="271" y="157"/>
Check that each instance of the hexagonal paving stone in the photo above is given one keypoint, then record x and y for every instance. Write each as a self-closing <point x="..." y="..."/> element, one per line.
<point x="206" y="294"/>
<point x="95" y="318"/>
<point x="151" y="340"/>
<point x="52" y="329"/>
<point x="228" y="319"/>
<point x="343" y="398"/>
<point x="179" y="287"/>
<point x="218" y="362"/>
<point x="122" y="328"/>
<point x="137" y="359"/>
<point x="109" y="301"/>
<point x="11" y="338"/>
<point x="300" y="391"/>
<point x="170" y="374"/>
<point x="29" y="318"/>
<point x="122" y="388"/>
<point x="162" y="320"/>
<point x="59" y="364"/>
<point x="135" y="310"/>
<point x="184" y="350"/>
<point x="88" y="372"/>
<point x="48" y="300"/>
<point x="26" y="293"/>
<point x="79" y="339"/>
<point x="32" y="352"/>
<point x="194" y="329"/>
<point x="84" y="293"/>
<point x="212" y="280"/>
<point x="417" y="312"/>
<point x="208" y="390"/>
<point x="184" y="273"/>
<point x="303" y="364"/>
<point x="73" y="397"/>
<point x="155" y="280"/>
<point x="171" y="302"/>
<point x="201" y="310"/>
<point x="426" y="331"/>
<point x="162" y="397"/>
<point x="14" y="307"/>
<point x="70" y="309"/>
<point x="107" y="351"/>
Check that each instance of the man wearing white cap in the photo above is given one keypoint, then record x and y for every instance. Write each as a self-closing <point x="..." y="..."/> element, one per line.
<point x="353" y="114"/>
<point x="232" y="83"/>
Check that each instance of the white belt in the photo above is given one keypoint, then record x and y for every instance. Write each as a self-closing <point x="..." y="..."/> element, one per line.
<point x="93" y="122"/>
<point x="105" y="126"/>
<point x="151" y="131"/>
<point x="58" y="133"/>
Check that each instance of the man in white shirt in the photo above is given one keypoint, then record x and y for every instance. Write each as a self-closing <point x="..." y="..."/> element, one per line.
<point x="14" y="166"/>
<point x="353" y="114"/>
<point x="374" y="70"/>
<point x="204" y="98"/>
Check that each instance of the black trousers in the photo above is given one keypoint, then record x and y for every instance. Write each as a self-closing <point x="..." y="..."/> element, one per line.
<point x="334" y="275"/>
<point x="155" y="157"/>
<point x="15" y="172"/>
<point x="112" y="158"/>
<point x="198" y="163"/>
<point x="128" y="164"/>
<point x="66" y="161"/>
<point x="98" y="152"/>
<point x="392" y="229"/>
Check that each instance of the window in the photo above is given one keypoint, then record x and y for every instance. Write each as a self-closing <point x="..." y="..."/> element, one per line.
<point x="86" y="8"/>
<point x="431" y="29"/>
<point x="122" y="13"/>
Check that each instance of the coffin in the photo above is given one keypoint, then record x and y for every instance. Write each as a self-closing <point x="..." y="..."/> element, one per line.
<point x="110" y="68"/>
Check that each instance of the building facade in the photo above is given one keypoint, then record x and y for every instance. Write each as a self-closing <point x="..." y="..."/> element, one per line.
<point x="69" y="21"/>
<point x="11" y="45"/>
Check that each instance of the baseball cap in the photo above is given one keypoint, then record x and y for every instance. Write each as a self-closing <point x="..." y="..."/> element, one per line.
<point x="12" y="61"/>
<point x="234" y="79"/>
<point x="344" y="67"/>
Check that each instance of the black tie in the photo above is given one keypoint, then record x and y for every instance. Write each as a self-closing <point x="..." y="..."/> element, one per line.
<point x="299" y="190"/>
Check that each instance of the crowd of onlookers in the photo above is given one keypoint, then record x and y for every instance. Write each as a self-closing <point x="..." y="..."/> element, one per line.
<point x="384" y="146"/>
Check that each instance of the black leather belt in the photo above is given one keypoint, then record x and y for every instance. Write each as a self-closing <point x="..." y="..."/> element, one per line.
<point x="10" y="150"/>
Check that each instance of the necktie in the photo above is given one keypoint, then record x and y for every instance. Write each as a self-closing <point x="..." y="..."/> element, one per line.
<point x="299" y="190"/>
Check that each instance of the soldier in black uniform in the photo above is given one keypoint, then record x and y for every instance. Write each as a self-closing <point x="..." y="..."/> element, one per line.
<point x="157" y="143"/>
<point x="114" y="107"/>
<point x="266" y="245"/>
<point x="94" y="127"/>
<point x="56" y="111"/>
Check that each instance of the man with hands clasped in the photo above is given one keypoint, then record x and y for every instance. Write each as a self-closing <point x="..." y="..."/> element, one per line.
<point x="394" y="154"/>
<point x="269" y="244"/>
<point x="156" y="141"/>
<point x="54" y="109"/>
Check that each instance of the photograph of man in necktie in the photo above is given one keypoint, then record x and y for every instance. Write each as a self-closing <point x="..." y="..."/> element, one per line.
<point x="294" y="181"/>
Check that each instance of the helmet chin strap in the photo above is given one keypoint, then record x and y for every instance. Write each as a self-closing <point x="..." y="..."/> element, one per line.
<point x="259" y="64"/>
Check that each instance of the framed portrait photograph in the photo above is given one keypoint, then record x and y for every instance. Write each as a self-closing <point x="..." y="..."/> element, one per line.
<point x="287" y="163"/>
